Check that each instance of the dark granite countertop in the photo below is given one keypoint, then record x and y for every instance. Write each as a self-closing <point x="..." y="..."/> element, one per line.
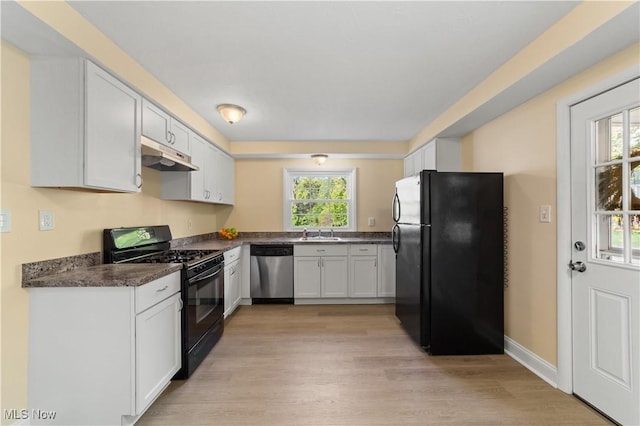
<point x="115" y="275"/>
<point x="86" y="270"/>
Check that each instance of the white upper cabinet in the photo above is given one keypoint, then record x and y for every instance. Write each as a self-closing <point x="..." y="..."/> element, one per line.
<point x="164" y="129"/>
<point x="85" y="127"/>
<point x="224" y="179"/>
<point x="213" y="183"/>
<point x="441" y="154"/>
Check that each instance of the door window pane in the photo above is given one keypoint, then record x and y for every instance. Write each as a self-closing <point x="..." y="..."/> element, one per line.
<point x="634" y="132"/>
<point x="634" y="221"/>
<point x="609" y="187"/>
<point x="610" y="238"/>
<point x="634" y="185"/>
<point x="609" y="133"/>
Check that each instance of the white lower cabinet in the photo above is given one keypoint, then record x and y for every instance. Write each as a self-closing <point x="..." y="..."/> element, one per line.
<point x="363" y="280"/>
<point x="320" y="271"/>
<point x="232" y="280"/>
<point x="386" y="271"/>
<point x="102" y="355"/>
<point x="344" y="273"/>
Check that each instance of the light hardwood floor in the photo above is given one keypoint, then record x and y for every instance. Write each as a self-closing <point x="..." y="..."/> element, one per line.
<point x="352" y="365"/>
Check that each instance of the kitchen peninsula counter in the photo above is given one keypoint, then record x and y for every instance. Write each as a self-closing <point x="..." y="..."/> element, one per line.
<point x="111" y="275"/>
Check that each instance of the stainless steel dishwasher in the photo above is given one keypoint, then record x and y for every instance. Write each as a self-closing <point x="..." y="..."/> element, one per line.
<point x="271" y="273"/>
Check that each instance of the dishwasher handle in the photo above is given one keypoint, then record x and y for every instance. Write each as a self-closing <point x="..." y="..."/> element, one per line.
<point x="271" y="250"/>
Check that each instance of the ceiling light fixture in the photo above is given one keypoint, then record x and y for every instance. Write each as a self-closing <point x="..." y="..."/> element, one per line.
<point x="319" y="159"/>
<point x="231" y="113"/>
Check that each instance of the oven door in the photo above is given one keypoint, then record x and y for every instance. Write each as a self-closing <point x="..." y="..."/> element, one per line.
<point x="205" y="302"/>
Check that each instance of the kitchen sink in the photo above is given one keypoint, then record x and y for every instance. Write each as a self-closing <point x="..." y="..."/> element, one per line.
<point x="319" y="239"/>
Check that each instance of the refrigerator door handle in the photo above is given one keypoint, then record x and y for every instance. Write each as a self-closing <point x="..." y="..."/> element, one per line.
<point x="395" y="238"/>
<point x="395" y="207"/>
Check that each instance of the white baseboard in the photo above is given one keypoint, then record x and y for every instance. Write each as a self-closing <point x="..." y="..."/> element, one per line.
<point x="537" y="365"/>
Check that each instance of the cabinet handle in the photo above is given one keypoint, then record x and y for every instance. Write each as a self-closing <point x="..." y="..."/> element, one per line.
<point x="364" y="249"/>
<point x="168" y="136"/>
<point x="173" y="138"/>
<point x="181" y="303"/>
<point x="375" y="263"/>
<point x="141" y="181"/>
<point x="319" y="250"/>
<point x="162" y="289"/>
<point x="318" y="263"/>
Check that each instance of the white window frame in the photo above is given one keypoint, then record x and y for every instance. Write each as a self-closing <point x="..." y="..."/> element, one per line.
<point x="348" y="173"/>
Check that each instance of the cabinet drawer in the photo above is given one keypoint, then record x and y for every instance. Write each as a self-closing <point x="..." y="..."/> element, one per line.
<point x="363" y="250"/>
<point x="231" y="255"/>
<point x="156" y="291"/>
<point x="320" y="250"/>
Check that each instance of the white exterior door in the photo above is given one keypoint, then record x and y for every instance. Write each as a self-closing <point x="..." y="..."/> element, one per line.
<point x="605" y="232"/>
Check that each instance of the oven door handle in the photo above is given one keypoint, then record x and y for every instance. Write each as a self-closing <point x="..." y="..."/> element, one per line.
<point x="204" y="276"/>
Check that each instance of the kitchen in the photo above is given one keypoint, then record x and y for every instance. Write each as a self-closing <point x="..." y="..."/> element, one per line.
<point x="80" y="215"/>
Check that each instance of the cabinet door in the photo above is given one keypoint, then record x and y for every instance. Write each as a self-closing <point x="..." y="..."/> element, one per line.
<point x="306" y="277"/>
<point x="112" y="133"/>
<point x="180" y="137"/>
<point x="156" y="124"/>
<point x="408" y="166"/>
<point x="417" y="161"/>
<point x="211" y="174"/>
<point x="199" y="157"/>
<point x="335" y="276"/>
<point x="235" y="285"/>
<point x="225" y="179"/>
<point x="364" y="276"/>
<point x="429" y="156"/>
<point x="227" y="291"/>
<point x="386" y="271"/>
<point x="158" y="350"/>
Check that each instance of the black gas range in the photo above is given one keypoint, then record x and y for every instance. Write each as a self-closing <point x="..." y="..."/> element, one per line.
<point x="202" y="284"/>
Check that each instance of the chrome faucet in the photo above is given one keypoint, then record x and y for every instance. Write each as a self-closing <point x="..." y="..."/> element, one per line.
<point x="330" y="232"/>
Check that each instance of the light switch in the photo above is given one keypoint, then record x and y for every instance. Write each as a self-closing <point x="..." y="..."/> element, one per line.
<point x="545" y="214"/>
<point x="5" y="220"/>
<point x="46" y="221"/>
<point x="372" y="221"/>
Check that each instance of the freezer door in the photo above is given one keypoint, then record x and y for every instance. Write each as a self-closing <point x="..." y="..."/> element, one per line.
<point x="409" y="282"/>
<point x="406" y="201"/>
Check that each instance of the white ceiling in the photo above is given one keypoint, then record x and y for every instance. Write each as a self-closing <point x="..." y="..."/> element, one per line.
<point x="342" y="70"/>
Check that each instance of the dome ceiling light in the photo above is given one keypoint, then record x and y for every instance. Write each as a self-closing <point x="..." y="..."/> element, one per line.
<point x="231" y="113"/>
<point x="319" y="159"/>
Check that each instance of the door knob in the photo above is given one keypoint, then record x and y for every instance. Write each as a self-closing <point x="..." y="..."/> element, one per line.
<point x="577" y="266"/>
<point x="579" y="245"/>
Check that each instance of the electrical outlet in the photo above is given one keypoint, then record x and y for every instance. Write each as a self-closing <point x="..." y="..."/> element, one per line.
<point x="47" y="222"/>
<point x="545" y="214"/>
<point x="5" y="220"/>
<point x="372" y="221"/>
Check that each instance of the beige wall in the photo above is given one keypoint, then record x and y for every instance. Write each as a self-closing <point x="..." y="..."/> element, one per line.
<point x="522" y="144"/>
<point x="260" y="184"/>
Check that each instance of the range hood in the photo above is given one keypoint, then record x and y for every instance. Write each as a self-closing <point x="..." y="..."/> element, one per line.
<point x="163" y="158"/>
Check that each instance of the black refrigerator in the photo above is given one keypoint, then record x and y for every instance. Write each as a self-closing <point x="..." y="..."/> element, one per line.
<point x="449" y="245"/>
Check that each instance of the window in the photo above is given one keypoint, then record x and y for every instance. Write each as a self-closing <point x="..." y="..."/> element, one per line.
<point x="617" y="187"/>
<point x="319" y="199"/>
